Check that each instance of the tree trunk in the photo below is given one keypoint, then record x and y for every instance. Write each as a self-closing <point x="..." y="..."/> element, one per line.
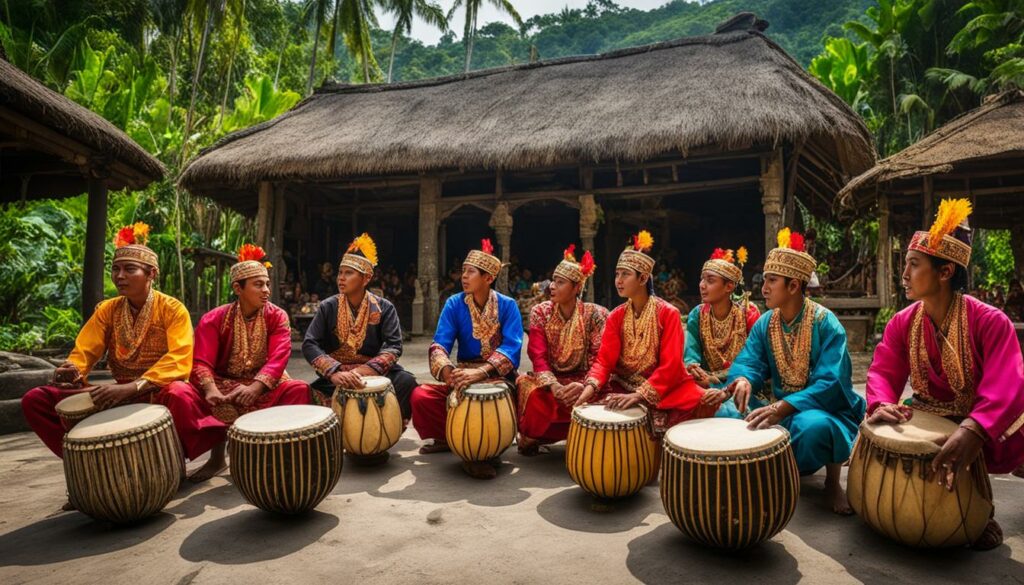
<point x="469" y="49"/>
<point x="231" y="66"/>
<point x="195" y="89"/>
<point x="312" y="62"/>
<point x="173" y="81"/>
<point x="391" y="61"/>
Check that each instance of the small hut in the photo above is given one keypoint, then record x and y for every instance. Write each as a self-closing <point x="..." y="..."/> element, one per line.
<point x="51" y="147"/>
<point x="707" y="141"/>
<point x="979" y="155"/>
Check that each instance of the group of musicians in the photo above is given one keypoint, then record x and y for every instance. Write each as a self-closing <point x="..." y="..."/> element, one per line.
<point x="789" y="366"/>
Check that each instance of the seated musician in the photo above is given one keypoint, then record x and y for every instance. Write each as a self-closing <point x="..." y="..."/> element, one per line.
<point x="241" y="351"/>
<point x="717" y="328"/>
<point x="145" y="334"/>
<point x="961" y="356"/>
<point x="489" y="331"/>
<point x="640" y="359"/>
<point x="801" y="346"/>
<point x="356" y="333"/>
<point x="564" y="337"/>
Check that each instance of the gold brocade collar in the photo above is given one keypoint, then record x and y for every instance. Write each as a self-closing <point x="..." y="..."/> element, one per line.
<point x="485" y="321"/>
<point x="567" y="338"/>
<point x="640" y="337"/>
<point x="130" y="330"/>
<point x="722" y="340"/>
<point x="248" y="342"/>
<point x="791" y="345"/>
<point x="956" y="357"/>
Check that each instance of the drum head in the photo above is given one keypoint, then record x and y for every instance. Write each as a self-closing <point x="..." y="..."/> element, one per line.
<point x="599" y="414"/>
<point x="76" y="404"/>
<point x="117" y="420"/>
<point x="723" y="436"/>
<point x="278" y="419"/>
<point x="373" y="384"/>
<point x="914" y="437"/>
<point x="486" y="389"/>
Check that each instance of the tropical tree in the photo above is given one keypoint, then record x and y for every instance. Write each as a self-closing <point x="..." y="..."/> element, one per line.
<point x="404" y="11"/>
<point x="472" y="12"/>
<point x="316" y="11"/>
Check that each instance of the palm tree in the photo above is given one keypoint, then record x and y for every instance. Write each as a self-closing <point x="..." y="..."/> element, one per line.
<point x="472" y="11"/>
<point x="354" y="19"/>
<point x="169" y="17"/>
<point x="317" y="10"/>
<point x="404" y="11"/>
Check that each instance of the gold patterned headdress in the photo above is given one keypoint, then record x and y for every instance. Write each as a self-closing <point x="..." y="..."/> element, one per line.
<point x="573" y="271"/>
<point x="130" y="245"/>
<point x="790" y="259"/>
<point x="727" y="264"/>
<point x="939" y="241"/>
<point x="484" y="258"/>
<point x="634" y="256"/>
<point x="250" y="263"/>
<point x="361" y="255"/>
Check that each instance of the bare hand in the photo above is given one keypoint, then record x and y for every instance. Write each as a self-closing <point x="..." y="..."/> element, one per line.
<point x="714" y="397"/>
<point x="891" y="413"/>
<point x="245" y="395"/>
<point x="570" y="393"/>
<point x="767" y="416"/>
<point x="462" y="377"/>
<point x="958" y="452"/>
<point x="214" y="396"/>
<point x="67" y="377"/>
<point x="105" y="396"/>
<point x="740" y="390"/>
<point x="699" y="375"/>
<point x="624" y="401"/>
<point x="586" y="395"/>
<point x="348" y="380"/>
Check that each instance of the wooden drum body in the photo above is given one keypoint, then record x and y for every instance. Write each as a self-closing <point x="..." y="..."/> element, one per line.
<point x="887" y="488"/>
<point x="726" y="486"/>
<point x="123" y="464"/>
<point x="286" y="459"/>
<point x="74" y="409"/>
<point x="371" y="420"/>
<point x="483" y="424"/>
<point x="609" y="453"/>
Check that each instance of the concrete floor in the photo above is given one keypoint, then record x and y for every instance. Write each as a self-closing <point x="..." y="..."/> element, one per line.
<point x="419" y="519"/>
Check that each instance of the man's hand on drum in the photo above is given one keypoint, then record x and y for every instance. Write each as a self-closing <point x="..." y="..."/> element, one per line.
<point x="567" y="394"/>
<point x="463" y="377"/>
<point x="699" y="375"/>
<point x="67" y="377"/>
<point x="586" y="395"/>
<point x="347" y="379"/>
<point x="714" y="397"/>
<point x="213" y="395"/>
<point x="246" y="394"/>
<point x="107" y="395"/>
<point x="767" y="416"/>
<point x="957" y="453"/>
<point x="740" y="390"/>
<point x="890" y="413"/>
<point x="624" y="401"/>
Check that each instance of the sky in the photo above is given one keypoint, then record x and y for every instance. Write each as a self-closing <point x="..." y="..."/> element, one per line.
<point x="526" y="8"/>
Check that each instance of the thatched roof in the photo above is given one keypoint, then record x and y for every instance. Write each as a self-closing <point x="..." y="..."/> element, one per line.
<point x="732" y="89"/>
<point x="993" y="131"/>
<point x="27" y="104"/>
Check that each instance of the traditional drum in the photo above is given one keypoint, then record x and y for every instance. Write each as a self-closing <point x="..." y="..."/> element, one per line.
<point x="371" y="420"/>
<point x="886" y="485"/>
<point x="727" y="486"/>
<point x="286" y="458"/>
<point x="483" y="424"/>
<point x="123" y="464"/>
<point x="74" y="409"/>
<point x="610" y="453"/>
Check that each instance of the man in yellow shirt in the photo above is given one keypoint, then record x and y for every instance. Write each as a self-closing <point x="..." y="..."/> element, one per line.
<point x="146" y="335"/>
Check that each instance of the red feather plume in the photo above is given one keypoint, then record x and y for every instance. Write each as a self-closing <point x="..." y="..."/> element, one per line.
<point x="251" y="252"/>
<point x="125" y="236"/>
<point x="718" y="254"/>
<point x="486" y="246"/>
<point x="796" y="242"/>
<point x="587" y="264"/>
<point x="570" y="253"/>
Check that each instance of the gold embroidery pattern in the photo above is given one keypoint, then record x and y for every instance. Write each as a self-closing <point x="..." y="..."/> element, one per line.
<point x="640" y="338"/>
<point x="792" y="350"/>
<point x="248" y="343"/>
<point x="136" y="343"/>
<point x="439" y="360"/>
<point x="352" y="332"/>
<point x="957" y="361"/>
<point x="567" y="340"/>
<point x="130" y="330"/>
<point x="485" y="322"/>
<point x="722" y="340"/>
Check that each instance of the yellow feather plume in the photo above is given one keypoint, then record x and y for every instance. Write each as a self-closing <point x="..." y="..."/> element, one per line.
<point x="952" y="212"/>
<point x="141" y="231"/>
<point x="784" y="237"/>
<point x="366" y="246"/>
<point x="643" y="241"/>
<point x="741" y="255"/>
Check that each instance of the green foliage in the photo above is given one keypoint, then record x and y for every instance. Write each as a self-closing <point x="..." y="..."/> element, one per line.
<point x="992" y="258"/>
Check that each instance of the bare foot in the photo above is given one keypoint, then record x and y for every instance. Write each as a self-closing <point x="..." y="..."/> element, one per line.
<point x="212" y="467"/>
<point x="480" y="469"/>
<point x="527" y="447"/>
<point x="437" y="446"/>
<point x="990" y="538"/>
<point x="836" y="493"/>
<point x="68" y="507"/>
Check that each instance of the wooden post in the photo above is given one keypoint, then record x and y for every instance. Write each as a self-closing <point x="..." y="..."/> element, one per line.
<point x="264" y="216"/>
<point x="883" y="272"/>
<point x="426" y="270"/>
<point x="276" y="248"/>
<point x="95" y="246"/>
<point x="588" y="230"/>
<point x="501" y="223"/>
<point x="929" y="206"/>
<point x="772" y="189"/>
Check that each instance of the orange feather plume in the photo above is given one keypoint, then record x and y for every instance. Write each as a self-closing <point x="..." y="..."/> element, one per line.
<point x="952" y="212"/>
<point x="643" y="241"/>
<point x="251" y="252"/>
<point x="570" y="253"/>
<point x="365" y="245"/>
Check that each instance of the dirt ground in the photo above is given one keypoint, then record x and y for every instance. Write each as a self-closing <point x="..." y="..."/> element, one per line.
<point x="419" y="519"/>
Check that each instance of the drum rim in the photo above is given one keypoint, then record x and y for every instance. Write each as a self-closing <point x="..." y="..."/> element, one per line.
<point x="307" y="432"/>
<point x="364" y="390"/>
<point x="505" y="391"/>
<point x="924" y="448"/>
<point x="347" y="393"/>
<point x="762" y="453"/>
<point x="71" y="413"/>
<point x="783" y="439"/>
<point x="605" y="425"/>
<point x="127" y="436"/>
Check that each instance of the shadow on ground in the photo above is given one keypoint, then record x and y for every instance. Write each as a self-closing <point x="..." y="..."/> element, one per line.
<point x="254" y="535"/>
<point x="73" y="535"/>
